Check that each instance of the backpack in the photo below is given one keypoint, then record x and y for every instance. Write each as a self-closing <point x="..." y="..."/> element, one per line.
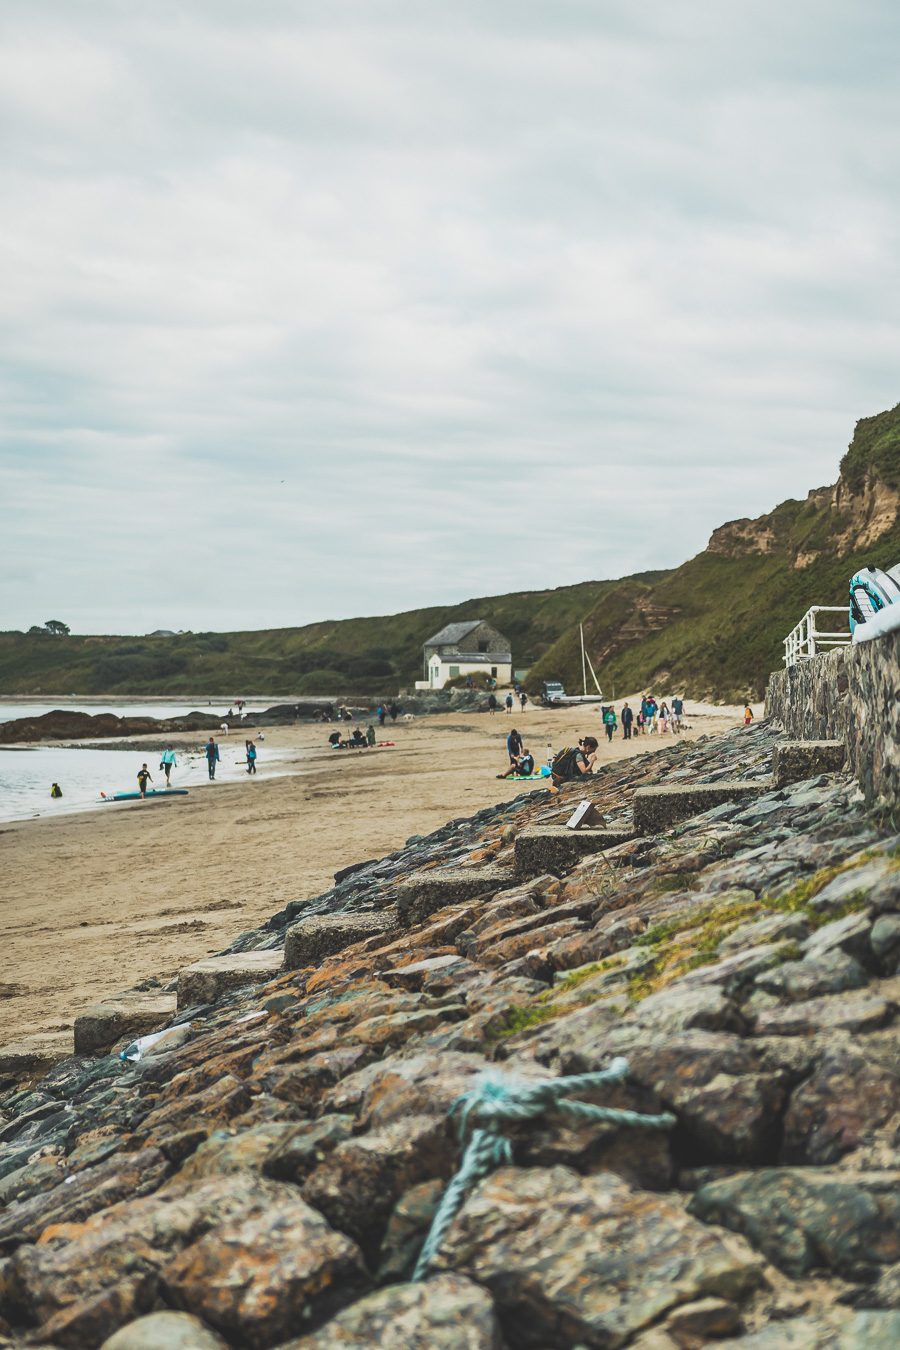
<point x="563" y="765"/>
<point x="872" y="590"/>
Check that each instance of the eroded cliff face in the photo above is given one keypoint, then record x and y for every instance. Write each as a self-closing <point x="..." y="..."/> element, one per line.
<point x="839" y="518"/>
<point x="860" y="508"/>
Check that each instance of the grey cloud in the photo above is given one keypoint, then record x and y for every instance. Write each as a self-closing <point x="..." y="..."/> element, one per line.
<point x="509" y="295"/>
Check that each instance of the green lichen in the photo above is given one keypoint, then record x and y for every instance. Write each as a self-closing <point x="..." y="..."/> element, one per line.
<point x="521" y="1019"/>
<point x="671" y="881"/>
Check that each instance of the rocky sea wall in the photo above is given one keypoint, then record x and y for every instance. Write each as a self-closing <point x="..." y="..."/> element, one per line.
<point x="266" y="1174"/>
<point x="850" y="694"/>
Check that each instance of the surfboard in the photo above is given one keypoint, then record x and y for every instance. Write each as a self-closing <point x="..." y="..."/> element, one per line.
<point x="136" y="796"/>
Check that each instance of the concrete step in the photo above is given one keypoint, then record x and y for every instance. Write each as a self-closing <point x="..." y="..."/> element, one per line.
<point x="555" y="848"/>
<point x="426" y="892"/>
<point x="321" y="935"/>
<point x="207" y="980"/>
<point x="132" y="1015"/>
<point x="793" y="761"/>
<point x="33" y="1056"/>
<point x="659" y="808"/>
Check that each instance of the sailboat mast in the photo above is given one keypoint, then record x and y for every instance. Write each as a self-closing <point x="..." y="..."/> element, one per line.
<point x="583" y="671"/>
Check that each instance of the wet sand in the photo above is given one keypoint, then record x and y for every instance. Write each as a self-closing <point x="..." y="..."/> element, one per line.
<point x="93" y="903"/>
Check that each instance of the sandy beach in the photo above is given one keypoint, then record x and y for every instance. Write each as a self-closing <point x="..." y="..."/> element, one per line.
<point x="93" y="903"/>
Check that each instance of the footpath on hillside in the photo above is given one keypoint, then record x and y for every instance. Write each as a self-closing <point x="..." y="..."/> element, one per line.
<point x="268" y="1173"/>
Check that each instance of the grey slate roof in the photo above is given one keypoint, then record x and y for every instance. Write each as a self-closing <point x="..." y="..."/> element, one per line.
<point x="484" y="658"/>
<point x="453" y="632"/>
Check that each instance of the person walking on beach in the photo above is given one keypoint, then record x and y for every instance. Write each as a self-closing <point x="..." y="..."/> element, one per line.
<point x="748" y="714"/>
<point x="677" y="713"/>
<point x="142" y="776"/>
<point x="627" y="719"/>
<point x="381" y="714"/>
<point x="523" y="699"/>
<point x="370" y="735"/>
<point x="168" y="762"/>
<point x="509" y="703"/>
<point x="394" y="712"/>
<point x="212" y="755"/>
<point x="662" y="722"/>
<point x="609" y="721"/>
<point x="492" y="704"/>
<point x="251" y="757"/>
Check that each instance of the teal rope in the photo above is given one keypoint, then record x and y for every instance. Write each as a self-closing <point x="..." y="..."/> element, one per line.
<point x="495" y="1102"/>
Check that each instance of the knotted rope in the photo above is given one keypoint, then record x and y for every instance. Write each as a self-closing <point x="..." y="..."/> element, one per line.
<point x="496" y="1101"/>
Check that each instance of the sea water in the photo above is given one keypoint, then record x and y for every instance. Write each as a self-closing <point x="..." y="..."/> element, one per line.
<point x="84" y="772"/>
<point x="161" y="711"/>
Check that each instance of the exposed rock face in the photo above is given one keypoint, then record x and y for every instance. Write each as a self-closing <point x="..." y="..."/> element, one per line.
<point x="266" y="1177"/>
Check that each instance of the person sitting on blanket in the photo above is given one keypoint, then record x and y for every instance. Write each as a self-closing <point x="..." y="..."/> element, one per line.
<point x="521" y="767"/>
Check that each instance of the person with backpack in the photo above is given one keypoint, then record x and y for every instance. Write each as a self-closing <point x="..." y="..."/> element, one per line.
<point x="572" y="762"/>
<point x="627" y="719"/>
<point x="509" y="703"/>
<point x="492" y="704"/>
<point x="212" y="756"/>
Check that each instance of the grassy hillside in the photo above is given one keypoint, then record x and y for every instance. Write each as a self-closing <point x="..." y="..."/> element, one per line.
<point x="712" y="627"/>
<point x="352" y="656"/>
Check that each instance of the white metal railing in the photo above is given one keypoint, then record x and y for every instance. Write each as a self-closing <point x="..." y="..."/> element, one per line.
<point x="803" y="642"/>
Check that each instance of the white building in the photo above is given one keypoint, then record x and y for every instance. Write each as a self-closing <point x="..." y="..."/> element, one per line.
<point x="467" y="648"/>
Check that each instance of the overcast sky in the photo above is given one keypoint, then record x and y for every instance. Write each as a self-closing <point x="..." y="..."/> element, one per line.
<point x="319" y="310"/>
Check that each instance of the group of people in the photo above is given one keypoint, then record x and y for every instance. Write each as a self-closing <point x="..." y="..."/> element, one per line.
<point x="509" y="701"/>
<point x="521" y="760"/>
<point x="651" y="717"/>
<point x="360" y="740"/>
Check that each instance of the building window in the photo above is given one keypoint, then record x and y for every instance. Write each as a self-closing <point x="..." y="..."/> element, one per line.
<point x="493" y="672"/>
<point x="454" y="671"/>
<point x="482" y="646"/>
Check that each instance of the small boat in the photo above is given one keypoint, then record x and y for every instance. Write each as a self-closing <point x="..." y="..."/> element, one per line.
<point x="136" y="796"/>
<point x="555" y="696"/>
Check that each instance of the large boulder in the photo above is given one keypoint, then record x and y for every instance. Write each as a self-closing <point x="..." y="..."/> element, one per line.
<point x="165" y="1331"/>
<point x="243" y="1253"/>
<point x="803" y="1220"/>
<point x="445" y="1313"/>
<point x="838" y="1108"/>
<point x="358" y="1184"/>
<point x="589" y="1261"/>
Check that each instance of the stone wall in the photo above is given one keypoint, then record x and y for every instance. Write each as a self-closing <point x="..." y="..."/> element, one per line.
<point x="850" y="694"/>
